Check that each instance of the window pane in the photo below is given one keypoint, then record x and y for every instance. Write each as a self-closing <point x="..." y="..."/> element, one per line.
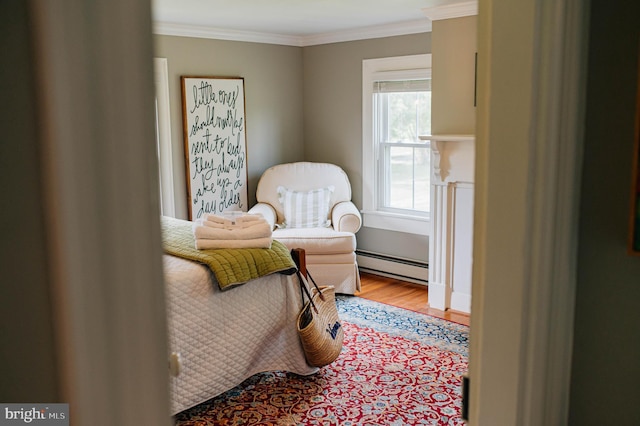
<point x="422" y="168"/>
<point x="407" y="178"/>
<point x="408" y="115"/>
<point x="424" y="113"/>
<point x="400" y="178"/>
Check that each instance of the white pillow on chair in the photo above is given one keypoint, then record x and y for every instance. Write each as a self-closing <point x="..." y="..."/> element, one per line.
<point x="305" y="209"/>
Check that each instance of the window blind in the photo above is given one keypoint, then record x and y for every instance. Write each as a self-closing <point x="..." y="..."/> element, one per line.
<point x="397" y="86"/>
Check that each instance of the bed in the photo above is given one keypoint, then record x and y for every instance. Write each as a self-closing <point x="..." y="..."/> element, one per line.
<point x="218" y="338"/>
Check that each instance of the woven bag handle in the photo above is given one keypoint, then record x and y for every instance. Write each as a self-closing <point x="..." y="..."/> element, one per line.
<point x="304" y="290"/>
<point x="316" y="286"/>
<point x="298" y="256"/>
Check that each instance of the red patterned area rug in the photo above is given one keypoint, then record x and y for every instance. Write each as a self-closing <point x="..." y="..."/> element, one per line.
<point x="397" y="367"/>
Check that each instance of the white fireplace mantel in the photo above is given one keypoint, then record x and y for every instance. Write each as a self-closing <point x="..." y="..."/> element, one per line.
<point x="456" y="144"/>
<point x="450" y="248"/>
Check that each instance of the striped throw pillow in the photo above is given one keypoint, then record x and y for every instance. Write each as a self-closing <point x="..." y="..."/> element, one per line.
<point x="305" y="209"/>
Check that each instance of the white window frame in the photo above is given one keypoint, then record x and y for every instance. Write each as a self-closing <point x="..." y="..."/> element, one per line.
<point x="399" y="67"/>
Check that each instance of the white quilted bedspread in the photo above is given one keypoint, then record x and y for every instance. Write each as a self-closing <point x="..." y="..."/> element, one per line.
<point x="226" y="337"/>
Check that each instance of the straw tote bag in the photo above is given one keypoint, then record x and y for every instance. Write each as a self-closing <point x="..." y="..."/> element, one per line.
<point x="318" y="323"/>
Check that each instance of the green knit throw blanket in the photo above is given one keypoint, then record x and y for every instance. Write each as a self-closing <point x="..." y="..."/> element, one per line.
<point x="231" y="267"/>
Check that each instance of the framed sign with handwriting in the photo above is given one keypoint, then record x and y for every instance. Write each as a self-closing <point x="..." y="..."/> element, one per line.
<point x="215" y="146"/>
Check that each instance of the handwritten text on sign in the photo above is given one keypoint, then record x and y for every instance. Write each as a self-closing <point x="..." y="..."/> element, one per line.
<point x="215" y="144"/>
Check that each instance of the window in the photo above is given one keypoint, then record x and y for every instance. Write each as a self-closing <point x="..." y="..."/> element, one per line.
<point x="401" y="114"/>
<point x="396" y="169"/>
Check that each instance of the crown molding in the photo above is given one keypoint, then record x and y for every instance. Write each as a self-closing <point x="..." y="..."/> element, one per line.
<point x="378" y="31"/>
<point x="448" y="11"/>
<point x="185" y="30"/>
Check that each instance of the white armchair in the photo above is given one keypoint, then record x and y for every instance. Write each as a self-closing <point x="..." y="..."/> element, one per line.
<point x="330" y="250"/>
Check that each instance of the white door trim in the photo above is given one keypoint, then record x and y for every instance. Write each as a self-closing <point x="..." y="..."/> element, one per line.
<point x="550" y="279"/>
<point x="524" y="266"/>
<point x="163" y="129"/>
<point x="96" y="121"/>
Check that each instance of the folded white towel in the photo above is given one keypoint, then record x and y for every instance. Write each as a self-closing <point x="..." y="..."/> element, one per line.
<point x="201" y="222"/>
<point x="203" y="244"/>
<point x="237" y="225"/>
<point x="236" y="222"/>
<point x="259" y="230"/>
<point x="248" y="218"/>
<point x="217" y="219"/>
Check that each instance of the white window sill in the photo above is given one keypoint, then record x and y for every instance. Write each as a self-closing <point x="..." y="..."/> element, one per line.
<point x="417" y="225"/>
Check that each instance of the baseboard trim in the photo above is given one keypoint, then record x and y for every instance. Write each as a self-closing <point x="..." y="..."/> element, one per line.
<point x="439" y="296"/>
<point x="460" y="302"/>
<point x="393" y="267"/>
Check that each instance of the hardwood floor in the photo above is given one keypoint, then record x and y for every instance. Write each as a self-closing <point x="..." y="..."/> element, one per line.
<point x="404" y="295"/>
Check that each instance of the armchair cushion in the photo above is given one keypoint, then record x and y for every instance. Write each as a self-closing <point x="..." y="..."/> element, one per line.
<point x="317" y="240"/>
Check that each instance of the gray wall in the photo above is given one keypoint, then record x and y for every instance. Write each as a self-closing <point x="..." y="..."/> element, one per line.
<point x="453" y="48"/>
<point x="333" y="121"/>
<point x="273" y="99"/>
<point x="606" y="354"/>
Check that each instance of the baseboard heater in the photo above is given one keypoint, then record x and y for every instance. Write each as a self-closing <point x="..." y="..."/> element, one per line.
<point x="393" y="267"/>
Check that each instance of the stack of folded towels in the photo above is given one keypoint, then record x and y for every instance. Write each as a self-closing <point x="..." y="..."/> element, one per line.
<point x="232" y="231"/>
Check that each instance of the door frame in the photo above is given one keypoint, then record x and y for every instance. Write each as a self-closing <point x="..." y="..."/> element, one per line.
<point x="531" y="80"/>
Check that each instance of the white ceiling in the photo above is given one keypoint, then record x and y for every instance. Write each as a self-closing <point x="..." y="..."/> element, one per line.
<point x="293" y="19"/>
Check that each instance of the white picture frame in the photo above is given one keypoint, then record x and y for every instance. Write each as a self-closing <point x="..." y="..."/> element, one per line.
<point x="215" y="146"/>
